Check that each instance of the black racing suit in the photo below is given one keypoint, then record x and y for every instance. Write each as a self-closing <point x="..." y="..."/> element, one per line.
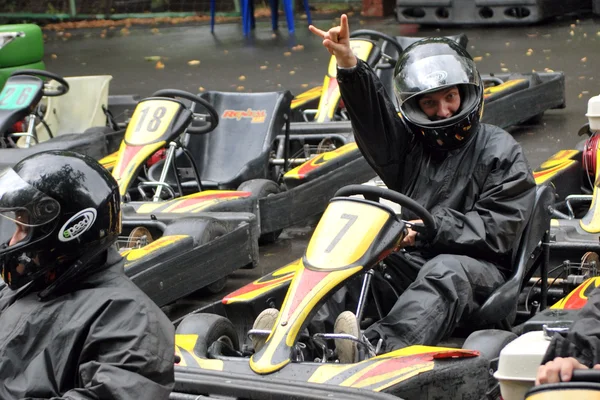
<point x="582" y="341"/>
<point x="480" y="196"/>
<point x="102" y="339"/>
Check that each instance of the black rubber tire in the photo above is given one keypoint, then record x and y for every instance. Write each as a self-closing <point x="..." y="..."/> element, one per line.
<point x="209" y="328"/>
<point x="262" y="188"/>
<point x="489" y="342"/>
<point x="211" y="232"/>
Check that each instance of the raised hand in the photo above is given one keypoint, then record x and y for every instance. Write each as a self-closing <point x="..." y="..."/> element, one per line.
<point x="337" y="42"/>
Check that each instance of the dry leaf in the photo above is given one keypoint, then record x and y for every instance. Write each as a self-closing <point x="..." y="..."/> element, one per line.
<point x="304" y="85"/>
<point x="507" y="44"/>
<point x="201" y="89"/>
<point x="152" y="58"/>
<point x="548" y="70"/>
<point x="584" y="35"/>
<point x="159" y="65"/>
<point x="584" y="59"/>
<point x="487" y="54"/>
<point x="194" y="62"/>
<point x="263" y="67"/>
<point x="580" y="95"/>
<point x="124" y="31"/>
<point x="242" y="78"/>
<point x="504" y="69"/>
<point x="240" y="88"/>
<point x="572" y="33"/>
<point x="573" y="25"/>
<point x="598" y="33"/>
<point x="502" y="65"/>
<point x="292" y="72"/>
<point x="278" y="65"/>
<point x="298" y="48"/>
<point x="225" y="51"/>
<point x="154" y="30"/>
<point x="287" y="53"/>
<point x="477" y="59"/>
<point x="54" y="56"/>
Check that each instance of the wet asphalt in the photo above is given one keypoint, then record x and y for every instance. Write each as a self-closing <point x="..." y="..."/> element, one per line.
<point x="268" y="61"/>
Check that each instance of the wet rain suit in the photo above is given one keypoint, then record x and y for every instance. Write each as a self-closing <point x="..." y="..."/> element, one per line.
<point x="103" y="340"/>
<point x="480" y="196"/>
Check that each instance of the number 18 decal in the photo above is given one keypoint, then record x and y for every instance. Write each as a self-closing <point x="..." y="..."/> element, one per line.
<point x="150" y="121"/>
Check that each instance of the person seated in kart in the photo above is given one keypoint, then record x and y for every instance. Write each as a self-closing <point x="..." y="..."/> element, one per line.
<point x="72" y="325"/>
<point x="473" y="178"/>
<point x="578" y="348"/>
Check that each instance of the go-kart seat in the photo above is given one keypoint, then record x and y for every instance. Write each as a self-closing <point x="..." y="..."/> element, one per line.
<point x="500" y="307"/>
<point x="239" y="148"/>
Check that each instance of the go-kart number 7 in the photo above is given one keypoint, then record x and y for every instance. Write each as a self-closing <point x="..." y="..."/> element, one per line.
<point x="155" y="121"/>
<point x="351" y="219"/>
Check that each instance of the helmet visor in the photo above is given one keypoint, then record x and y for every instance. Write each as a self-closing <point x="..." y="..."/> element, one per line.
<point x="434" y="73"/>
<point x="22" y="203"/>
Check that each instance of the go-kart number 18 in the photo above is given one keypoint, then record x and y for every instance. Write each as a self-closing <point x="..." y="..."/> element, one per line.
<point x="351" y="219"/>
<point x="16" y="96"/>
<point x="154" y="122"/>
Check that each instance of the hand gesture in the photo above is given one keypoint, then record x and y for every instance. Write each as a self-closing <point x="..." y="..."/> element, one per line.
<point x="337" y="42"/>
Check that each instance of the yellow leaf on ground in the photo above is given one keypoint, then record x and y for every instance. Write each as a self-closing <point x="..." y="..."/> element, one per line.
<point x="263" y="67"/>
<point x="584" y="59"/>
<point x="240" y="88"/>
<point x="54" y="56"/>
<point x="242" y="78"/>
<point x="477" y="59"/>
<point x="159" y="65"/>
<point x="201" y="89"/>
<point x="194" y="62"/>
<point x="287" y="53"/>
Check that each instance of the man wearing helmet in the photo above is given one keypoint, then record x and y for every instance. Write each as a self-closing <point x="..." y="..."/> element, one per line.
<point x="472" y="177"/>
<point x="72" y="325"/>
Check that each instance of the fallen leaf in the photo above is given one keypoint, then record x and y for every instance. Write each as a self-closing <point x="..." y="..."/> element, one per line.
<point x="572" y="33"/>
<point x="68" y="34"/>
<point x="546" y="50"/>
<point x="263" y="67"/>
<point x="278" y="65"/>
<point x="585" y="92"/>
<point x="548" y="70"/>
<point x="581" y="78"/>
<point x="584" y="35"/>
<point x="584" y="59"/>
<point x="477" y="59"/>
<point x="54" y="56"/>
<point x="580" y="95"/>
<point x="124" y="31"/>
<point x="502" y="65"/>
<point x="242" y="78"/>
<point x="573" y="25"/>
<point x="598" y="33"/>
<point x="194" y="62"/>
<point x="287" y="53"/>
<point x="292" y="72"/>
<point x="159" y="65"/>
<point x="504" y="69"/>
<point x="225" y="51"/>
<point x="152" y="58"/>
<point x="507" y="44"/>
<point x="279" y="85"/>
<point x="487" y="54"/>
<point x="298" y="48"/>
<point x="304" y="85"/>
<point x="154" y="30"/>
<point x="240" y="88"/>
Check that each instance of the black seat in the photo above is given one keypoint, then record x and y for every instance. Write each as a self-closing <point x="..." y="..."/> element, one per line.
<point x="500" y="308"/>
<point x="239" y="148"/>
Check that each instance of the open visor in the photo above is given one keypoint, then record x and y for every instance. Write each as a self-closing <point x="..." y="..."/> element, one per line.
<point x="22" y="203"/>
<point x="434" y="73"/>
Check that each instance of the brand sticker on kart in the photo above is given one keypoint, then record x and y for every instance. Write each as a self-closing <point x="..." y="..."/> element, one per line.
<point x="256" y="116"/>
<point x="77" y="225"/>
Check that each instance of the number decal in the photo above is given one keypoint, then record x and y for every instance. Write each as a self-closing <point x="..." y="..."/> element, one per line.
<point x="155" y="122"/>
<point x="351" y="220"/>
<point x="23" y="96"/>
<point x="7" y="95"/>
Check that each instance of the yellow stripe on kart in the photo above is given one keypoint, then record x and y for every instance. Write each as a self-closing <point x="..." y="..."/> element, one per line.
<point x="164" y="241"/>
<point x="187" y="343"/>
<point x="302" y="170"/>
<point x="591" y="221"/>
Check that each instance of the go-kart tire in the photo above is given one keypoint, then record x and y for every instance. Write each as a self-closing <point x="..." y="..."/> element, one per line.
<point x="262" y="188"/>
<point x="202" y="231"/>
<point x="210" y="328"/>
<point x="489" y="342"/>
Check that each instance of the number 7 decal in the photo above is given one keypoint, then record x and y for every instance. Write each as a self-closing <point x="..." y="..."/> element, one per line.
<point x="351" y="220"/>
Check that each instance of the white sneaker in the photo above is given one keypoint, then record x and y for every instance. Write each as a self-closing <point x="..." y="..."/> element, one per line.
<point x="265" y="321"/>
<point x="347" y="350"/>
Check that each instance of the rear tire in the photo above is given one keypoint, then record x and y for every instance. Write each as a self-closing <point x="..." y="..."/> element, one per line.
<point x="210" y="328"/>
<point x="262" y="188"/>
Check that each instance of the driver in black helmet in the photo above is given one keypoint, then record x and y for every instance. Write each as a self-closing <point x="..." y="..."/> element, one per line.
<point x="72" y="325"/>
<point x="472" y="177"/>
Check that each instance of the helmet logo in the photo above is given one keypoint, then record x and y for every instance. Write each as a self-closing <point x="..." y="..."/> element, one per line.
<point x="77" y="225"/>
<point x="437" y="78"/>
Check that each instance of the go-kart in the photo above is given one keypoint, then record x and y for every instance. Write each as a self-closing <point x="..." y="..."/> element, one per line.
<point x="21" y="47"/>
<point x="248" y="156"/>
<point x="507" y="96"/>
<point x="350" y="242"/>
<point x="175" y="248"/>
<point x="61" y="114"/>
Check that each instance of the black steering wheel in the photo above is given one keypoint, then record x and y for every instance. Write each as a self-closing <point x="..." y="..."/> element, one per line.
<point x="390" y="62"/>
<point x="374" y="193"/>
<point x="211" y="119"/>
<point x="59" y="91"/>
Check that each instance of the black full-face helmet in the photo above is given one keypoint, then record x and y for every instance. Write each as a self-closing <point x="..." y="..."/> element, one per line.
<point x="430" y="65"/>
<point x="58" y="208"/>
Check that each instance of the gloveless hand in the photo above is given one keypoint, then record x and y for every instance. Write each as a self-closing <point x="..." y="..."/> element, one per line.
<point x="337" y="42"/>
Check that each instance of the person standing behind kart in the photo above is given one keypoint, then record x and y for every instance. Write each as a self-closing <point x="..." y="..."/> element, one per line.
<point x="72" y="325"/>
<point x="472" y="177"/>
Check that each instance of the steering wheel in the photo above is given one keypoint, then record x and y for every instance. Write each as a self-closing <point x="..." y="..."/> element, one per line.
<point x="212" y="118"/>
<point x="59" y="91"/>
<point x="374" y="193"/>
<point x="374" y="35"/>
